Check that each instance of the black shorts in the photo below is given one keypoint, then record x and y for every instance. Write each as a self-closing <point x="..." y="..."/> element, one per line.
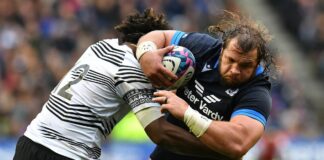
<point x="27" y="149"/>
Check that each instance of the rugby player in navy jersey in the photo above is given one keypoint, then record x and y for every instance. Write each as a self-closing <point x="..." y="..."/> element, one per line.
<point x="102" y="87"/>
<point x="227" y="102"/>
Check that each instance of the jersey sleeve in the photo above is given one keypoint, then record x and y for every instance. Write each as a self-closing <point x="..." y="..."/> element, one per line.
<point x="140" y="99"/>
<point x="205" y="48"/>
<point x="198" y="43"/>
<point x="255" y="103"/>
<point x="132" y="86"/>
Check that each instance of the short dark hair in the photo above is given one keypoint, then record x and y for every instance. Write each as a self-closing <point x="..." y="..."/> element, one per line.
<point x="250" y="35"/>
<point x="137" y="25"/>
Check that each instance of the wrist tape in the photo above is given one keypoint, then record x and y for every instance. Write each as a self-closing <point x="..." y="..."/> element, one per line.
<point x="197" y="123"/>
<point x="144" y="47"/>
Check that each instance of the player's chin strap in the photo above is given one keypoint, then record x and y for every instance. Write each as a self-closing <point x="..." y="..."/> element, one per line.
<point x="144" y="47"/>
<point x="197" y="123"/>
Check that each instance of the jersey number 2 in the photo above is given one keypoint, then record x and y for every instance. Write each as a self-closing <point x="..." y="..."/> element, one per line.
<point x="63" y="91"/>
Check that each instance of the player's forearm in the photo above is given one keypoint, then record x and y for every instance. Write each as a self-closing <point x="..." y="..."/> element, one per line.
<point x="178" y="140"/>
<point x="227" y="138"/>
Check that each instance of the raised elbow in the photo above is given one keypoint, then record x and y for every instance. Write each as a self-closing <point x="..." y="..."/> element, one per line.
<point x="237" y="151"/>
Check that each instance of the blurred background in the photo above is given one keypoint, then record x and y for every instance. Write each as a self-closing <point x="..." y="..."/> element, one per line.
<point x="41" y="39"/>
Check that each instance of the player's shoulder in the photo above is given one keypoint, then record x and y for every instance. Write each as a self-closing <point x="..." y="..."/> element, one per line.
<point x="259" y="86"/>
<point x="201" y="38"/>
<point x="113" y="44"/>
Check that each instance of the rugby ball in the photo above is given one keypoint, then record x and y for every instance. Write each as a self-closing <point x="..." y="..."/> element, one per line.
<point x="182" y="63"/>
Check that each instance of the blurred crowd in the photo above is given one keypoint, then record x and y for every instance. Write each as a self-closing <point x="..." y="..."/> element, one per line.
<point x="41" y="39"/>
<point x="305" y="20"/>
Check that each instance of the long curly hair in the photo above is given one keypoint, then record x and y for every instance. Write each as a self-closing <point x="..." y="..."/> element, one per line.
<point x="137" y="25"/>
<point x="250" y="35"/>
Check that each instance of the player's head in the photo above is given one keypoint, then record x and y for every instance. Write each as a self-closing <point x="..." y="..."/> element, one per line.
<point x="245" y="47"/>
<point x="138" y="24"/>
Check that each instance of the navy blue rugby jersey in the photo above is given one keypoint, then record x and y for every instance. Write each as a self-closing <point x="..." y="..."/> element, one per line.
<point x="205" y="93"/>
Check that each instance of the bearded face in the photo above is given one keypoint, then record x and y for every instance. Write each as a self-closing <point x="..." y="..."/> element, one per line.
<point x="237" y="67"/>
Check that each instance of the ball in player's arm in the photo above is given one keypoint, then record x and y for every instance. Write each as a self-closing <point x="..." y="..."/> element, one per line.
<point x="227" y="102"/>
<point x="103" y="86"/>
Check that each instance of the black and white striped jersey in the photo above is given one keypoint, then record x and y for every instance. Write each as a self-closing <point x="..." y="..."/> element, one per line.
<point x="102" y="87"/>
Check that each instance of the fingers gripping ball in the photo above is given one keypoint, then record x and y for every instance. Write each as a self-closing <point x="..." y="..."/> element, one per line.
<point x="182" y="63"/>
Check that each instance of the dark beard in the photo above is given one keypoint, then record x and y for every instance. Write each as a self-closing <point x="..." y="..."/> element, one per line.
<point x="230" y="85"/>
<point x="233" y="84"/>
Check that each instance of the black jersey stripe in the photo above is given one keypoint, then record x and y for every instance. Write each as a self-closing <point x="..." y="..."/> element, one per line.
<point x="95" y="80"/>
<point x="123" y="67"/>
<point x="113" y="52"/>
<point x="75" y="115"/>
<point x="76" y="107"/>
<point x="52" y="110"/>
<point x="130" y="73"/>
<point x="93" y="152"/>
<point x="70" y="115"/>
<point x="103" y="58"/>
<point x="131" y="76"/>
<point x="110" y="51"/>
<point x="105" y="54"/>
<point x="50" y="132"/>
<point x="101" y="76"/>
<point x="84" y="116"/>
<point x="132" y="81"/>
<point x="104" y="82"/>
<point x="112" y="88"/>
<point x="106" y="79"/>
<point x="113" y="47"/>
<point x="98" y="78"/>
<point x="71" y="111"/>
<point x="111" y="124"/>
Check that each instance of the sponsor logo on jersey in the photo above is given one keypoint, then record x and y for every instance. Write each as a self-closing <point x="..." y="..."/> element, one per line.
<point x="231" y="92"/>
<point x="211" y="99"/>
<point x="203" y="103"/>
<point x="199" y="88"/>
<point x="210" y="113"/>
<point x="206" y="68"/>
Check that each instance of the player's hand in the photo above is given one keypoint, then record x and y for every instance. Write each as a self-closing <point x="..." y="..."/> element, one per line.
<point x="151" y="64"/>
<point x="171" y="102"/>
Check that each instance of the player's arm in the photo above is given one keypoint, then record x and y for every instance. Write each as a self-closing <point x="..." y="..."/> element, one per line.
<point x="171" y="137"/>
<point x="233" y="138"/>
<point x="150" y="50"/>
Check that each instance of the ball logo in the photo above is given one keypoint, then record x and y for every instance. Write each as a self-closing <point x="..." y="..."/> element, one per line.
<point x="181" y="62"/>
<point x="168" y="63"/>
